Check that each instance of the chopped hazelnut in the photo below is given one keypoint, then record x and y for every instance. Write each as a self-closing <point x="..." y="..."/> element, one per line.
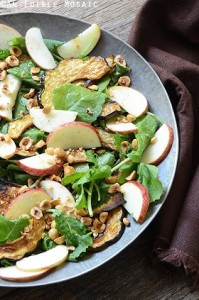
<point x="126" y="222"/>
<point x="53" y="233"/>
<point x="35" y="70"/>
<point x="124" y="81"/>
<point x="45" y="205"/>
<point x="36" y="213"/>
<point x="26" y="143"/>
<point x="46" y="110"/>
<point x="3" y="75"/>
<point x="112" y="179"/>
<point x="134" y="144"/>
<point x="132" y="176"/>
<point x="93" y="87"/>
<point x="3" y="65"/>
<point x="103" y="217"/>
<point x="12" y="61"/>
<point x="114" y="188"/>
<point x="16" y="51"/>
<point x="120" y="61"/>
<point x="60" y="240"/>
<point x="124" y="146"/>
<point x="30" y="94"/>
<point x="68" y="170"/>
<point x="36" y="78"/>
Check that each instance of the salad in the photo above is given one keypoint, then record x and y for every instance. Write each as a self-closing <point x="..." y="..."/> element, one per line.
<point x="79" y="149"/>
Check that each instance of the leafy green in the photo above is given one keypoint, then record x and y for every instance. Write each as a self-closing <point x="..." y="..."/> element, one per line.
<point x="4" y="126"/>
<point x="35" y="134"/>
<point x="125" y="171"/>
<point x="20" y="105"/>
<point x="10" y="230"/>
<point x="119" y="71"/>
<point x="7" y="262"/>
<point x="4" y="53"/>
<point x="77" y="98"/>
<point x="23" y="72"/>
<point x="20" y="42"/>
<point x="2" y="172"/>
<point x="148" y="177"/>
<point x="47" y="243"/>
<point x="147" y="126"/>
<point x="103" y="83"/>
<point x="76" y="234"/>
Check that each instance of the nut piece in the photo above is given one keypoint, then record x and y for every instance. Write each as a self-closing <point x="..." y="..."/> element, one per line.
<point x="120" y="61"/>
<point x="3" y="65"/>
<point x="36" y="78"/>
<point x="110" y="61"/>
<point x="53" y="233"/>
<point x="3" y="75"/>
<point x="126" y="222"/>
<point x="130" y="118"/>
<point x="12" y="61"/>
<point x="50" y="151"/>
<point x="114" y="188"/>
<point x="32" y="103"/>
<point x="45" y="205"/>
<point x="134" y="144"/>
<point x="30" y="94"/>
<point x="86" y="221"/>
<point x="124" y="81"/>
<point x="59" y="152"/>
<point x="93" y="87"/>
<point x="60" y="240"/>
<point x="124" y="146"/>
<point x="36" y="213"/>
<point x="153" y="140"/>
<point x="89" y="111"/>
<point x="16" y="51"/>
<point x="23" y="189"/>
<point x="35" y="70"/>
<point x="26" y="143"/>
<point x="46" y="110"/>
<point x="68" y="170"/>
<point x="103" y="217"/>
<point x="112" y="179"/>
<point x="132" y="176"/>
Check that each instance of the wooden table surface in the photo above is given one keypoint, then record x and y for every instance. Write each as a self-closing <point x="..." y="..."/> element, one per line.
<point x="130" y="275"/>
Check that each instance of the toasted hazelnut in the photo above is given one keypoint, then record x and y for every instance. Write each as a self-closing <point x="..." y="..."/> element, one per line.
<point x="126" y="222"/>
<point x="35" y="70"/>
<point x="23" y="189"/>
<point x="53" y="224"/>
<point x="3" y="65"/>
<point x="12" y="61"/>
<point x="26" y="143"/>
<point x="153" y="140"/>
<point x="36" y="213"/>
<point x="3" y="75"/>
<point x="55" y="202"/>
<point x="86" y="220"/>
<point x="89" y="111"/>
<point x="32" y="103"/>
<point x="124" y="146"/>
<point x="5" y="89"/>
<point x="55" y="178"/>
<point x="130" y="118"/>
<point x="30" y="182"/>
<point x="134" y="144"/>
<point x="103" y="217"/>
<point x="39" y="144"/>
<point x="96" y="223"/>
<point x="112" y="179"/>
<point x="132" y="176"/>
<point x="68" y="170"/>
<point x="53" y="233"/>
<point x="46" y="109"/>
<point x="60" y="240"/>
<point x="124" y="81"/>
<point x="30" y="94"/>
<point x="110" y="61"/>
<point x="93" y="87"/>
<point x="48" y="218"/>
<point x="114" y="188"/>
<point x="120" y="61"/>
<point x="59" y="152"/>
<point x="16" y="51"/>
<point x="36" y="78"/>
<point x="45" y="205"/>
<point x="50" y="151"/>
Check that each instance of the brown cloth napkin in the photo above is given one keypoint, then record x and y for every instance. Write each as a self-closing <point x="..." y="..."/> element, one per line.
<point x="166" y="33"/>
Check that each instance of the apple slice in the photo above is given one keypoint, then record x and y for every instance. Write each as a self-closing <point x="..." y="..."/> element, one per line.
<point x="37" y="49"/>
<point x="74" y="135"/>
<point x="120" y="127"/>
<point x="83" y="44"/>
<point x="50" y="121"/>
<point x="7" y="146"/>
<point x="40" y="165"/>
<point x="129" y="99"/>
<point x="44" y="260"/>
<point x="25" y="202"/>
<point x="7" y="33"/>
<point x="156" y="152"/>
<point x="137" y="199"/>
<point x="8" y="97"/>
<point x="56" y="190"/>
<point x="14" y="274"/>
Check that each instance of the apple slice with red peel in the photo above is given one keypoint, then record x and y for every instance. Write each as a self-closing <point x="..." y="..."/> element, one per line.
<point x="37" y="49"/>
<point x="74" y="135"/>
<point x="14" y="274"/>
<point x="120" y="127"/>
<point x="57" y="191"/>
<point x="7" y="33"/>
<point x="41" y="165"/>
<point x="137" y="199"/>
<point x="45" y="260"/>
<point x="7" y="146"/>
<point x="156" y="151"/>
<point x="129" y="99"/>
<point x="25" y="202"/>
<point x="83" y="44"/>
<point x="49" y="121"/>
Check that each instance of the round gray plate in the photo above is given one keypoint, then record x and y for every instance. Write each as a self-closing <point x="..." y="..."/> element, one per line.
<point x="144" y="80"/>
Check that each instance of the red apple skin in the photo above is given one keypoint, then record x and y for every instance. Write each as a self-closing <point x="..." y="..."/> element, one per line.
<point x="145" y="203"/>
<point x="55" y="169"/>
<point x="167" y="149"/>
<point x="24" y="279"/>
<point x="74" y="124"/>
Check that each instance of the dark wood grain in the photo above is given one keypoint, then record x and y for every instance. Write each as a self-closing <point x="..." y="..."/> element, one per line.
<point x="130" y="275"/>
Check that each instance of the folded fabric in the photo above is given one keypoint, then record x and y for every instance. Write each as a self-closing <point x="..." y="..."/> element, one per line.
<point x="166" y="33"/>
